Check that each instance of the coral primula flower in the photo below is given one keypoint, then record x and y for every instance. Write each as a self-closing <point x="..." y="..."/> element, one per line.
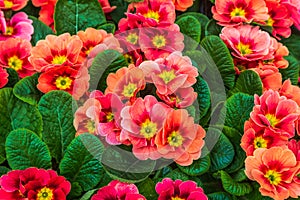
<point x="46" y="13"/>
<point x="3" y="77"/>
<point x="14" y="5"/>
<point x="182" y="5"/>
<point x="55" y="51"/>
<point x="247" y="42"/>
<point x="106" y="6"/>
<point x="294" y="146"/>
<point x="87" y="117"/>
<point x="117" y="190"/>
<point x="255" y="137"/>
<point x="159" y="43"/>
<point x="235" y="12"/>
<point x="14" y="53"/>
<point x="170" y="74"/>
<point x="274" y="169"/>
<point x="140" y="122"/>
<point x="18" y="26"/>
<point x="275" y="112"/>
<point x="109" y="116"/>
<point x="290" y="91"/>
<point x="75" y="82"/>
<point x="179" y="190"/>
<point x="180" y="139"/>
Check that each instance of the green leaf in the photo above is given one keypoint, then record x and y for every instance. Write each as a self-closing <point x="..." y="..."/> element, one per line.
<point x="292" y="43"/>
<point x="238" y="108"/>
<point x="119" y="12"/>
<point x="25" y="149"/>
<point x="221" y="56"/>
<point x="248" y="82"/>
<point x="198" y="167"/>
<point x="196" y="57"/>
<point x="219" y="196"/>
<point x="222" y="153"/>
<point x="76" y="191"/>
<point x="106" y="62"/>
<point x="124" y="166"/>
<point x="109" y="27"/>
<point x="27" y="91"/>
<point x="30" y="9"/>
<point x="89" y="194"/>
<point x="255" y="194"/>
<point x="41" y="30"/>
<point x="3" y="170"/>
<point x="233" y="187"/>
<point x="240" y="175"/>
<point x="212" y="28"/>
<point x="15" y="114"/>
<point x="203" y="98"/>
<point x="13" y="77"/>
<point x="81" y="162"/>
<point x="74" y="15"/>
<point x="147" y="189"/>
<point x="56" y="110"/>
<point x="177" y="174"/>
<point x="191" y="28"/>
<point x="292" y="72"/>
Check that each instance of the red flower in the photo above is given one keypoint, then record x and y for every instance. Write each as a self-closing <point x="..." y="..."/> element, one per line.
<point x="14" y="5"/>
<point x="3" y="77"/>
<point x="117" y="190"/>
<point x="179" y="190"/>
<point x="106" y="6"/>
<point x="182" y="5"/>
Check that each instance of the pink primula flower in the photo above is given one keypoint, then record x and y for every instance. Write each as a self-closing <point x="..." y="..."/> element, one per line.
<point x="178" y="189"/>
<point x="293" y="7"/>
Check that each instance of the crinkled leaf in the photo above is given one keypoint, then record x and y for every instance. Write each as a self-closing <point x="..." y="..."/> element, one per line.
<point x="177" y="174"/>
<point x="3" y="170"/>
<point x="89" y="194"/>
<point x="221" y="56"/>
<point x="74" y="15"/>
<point x="198" y="167"/>
<point x="124" y="166"/>
<point x="27" y="91"/>
<point x="240" y="175"/>
<point x="292" y="72"/>
<point x="196" y="57"/>
<point x="76" y="191"/>
<point x="41" y="30"/>
<point x="255" y="194"/>
<point x="147" y="189"/>
<point x="233" y="187"/>
<point x="25" y="149"/>
<point x="219" y="196"/>
<point x="106" y="62"/>
<point x="30" y="9"/>
<point x="212" y="28"/>
<point x="109" y="27"/>
<point x="191" y="28"/>
<point x="81" y="162"/>
<point x="222" y="153"/>
<point x="248" y="82"/>
<point x="119" y="12"/>
<point x="13" y="77"/>
<point x="203" y="97"/>
<point x="56" y="110"/>
<point x="238" y="108"/>
<point x="292" y="43"/>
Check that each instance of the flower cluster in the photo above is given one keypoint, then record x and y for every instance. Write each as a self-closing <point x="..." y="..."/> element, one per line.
<point x="33" y="183"/>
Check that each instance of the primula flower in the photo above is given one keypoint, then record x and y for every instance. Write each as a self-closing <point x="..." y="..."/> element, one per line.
<point x="55" y="51"/>
<point x="3" y="77"/>
<point x="14" y="5"/>
<point x="109" y="116"/>
<point x="179" y="190"/>
<point x="275" y="112"/>
<point x="170" y="74"/>
<point x="18" y="26"/>
<point x="182" y="5"/>
<point x="180" y="139"/>
<point x="159" y="43"/>
<point x="256" y="137"/>
<point x="290" y="91"/>
<point x="106" y="6"/>
<point x="14" y="53"/>
<point x="75" y="82"/>
<point x="293" y="7"/>
<point x="294" y="146"/>
<point x="248" y="42"/>
<point x="140" y="122"/>
<point x="235" y="12"/>
<point x="117" y="190"/>
<point x="46" y="13"/>
<point x="274" y="169"/>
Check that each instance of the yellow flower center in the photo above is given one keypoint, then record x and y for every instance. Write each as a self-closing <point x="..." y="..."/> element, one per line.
<point x="159" y="41"/>
<point x="270" y="22"/>
<point x="9" y="30"/>
<point x="132" y="38"/>
<point x="90" y="126"/>
<point x="272" y="119"/>
<point x="87" y="52"/>
<point x="129" y="58"/>
<point x="274" y="177"/>
<point x="238" y="12"/>
<point x="244" y="49"/>
<point x="8" y="4"/>
<point x="260" y="142"/>
<point x="129" y="90"/>
<point x="175" y="139"/>
<point x="63" y="82"/>
<point x="59" y="60"/>
<point x="153" y="15"/>
<point x="176" y="198"/>
<point x="110" y="116"/>
<point x="15" y="63"/>
<point x="148" y="129"/>
<point x="45" y="194"/>
<point x="167" y="76"/>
